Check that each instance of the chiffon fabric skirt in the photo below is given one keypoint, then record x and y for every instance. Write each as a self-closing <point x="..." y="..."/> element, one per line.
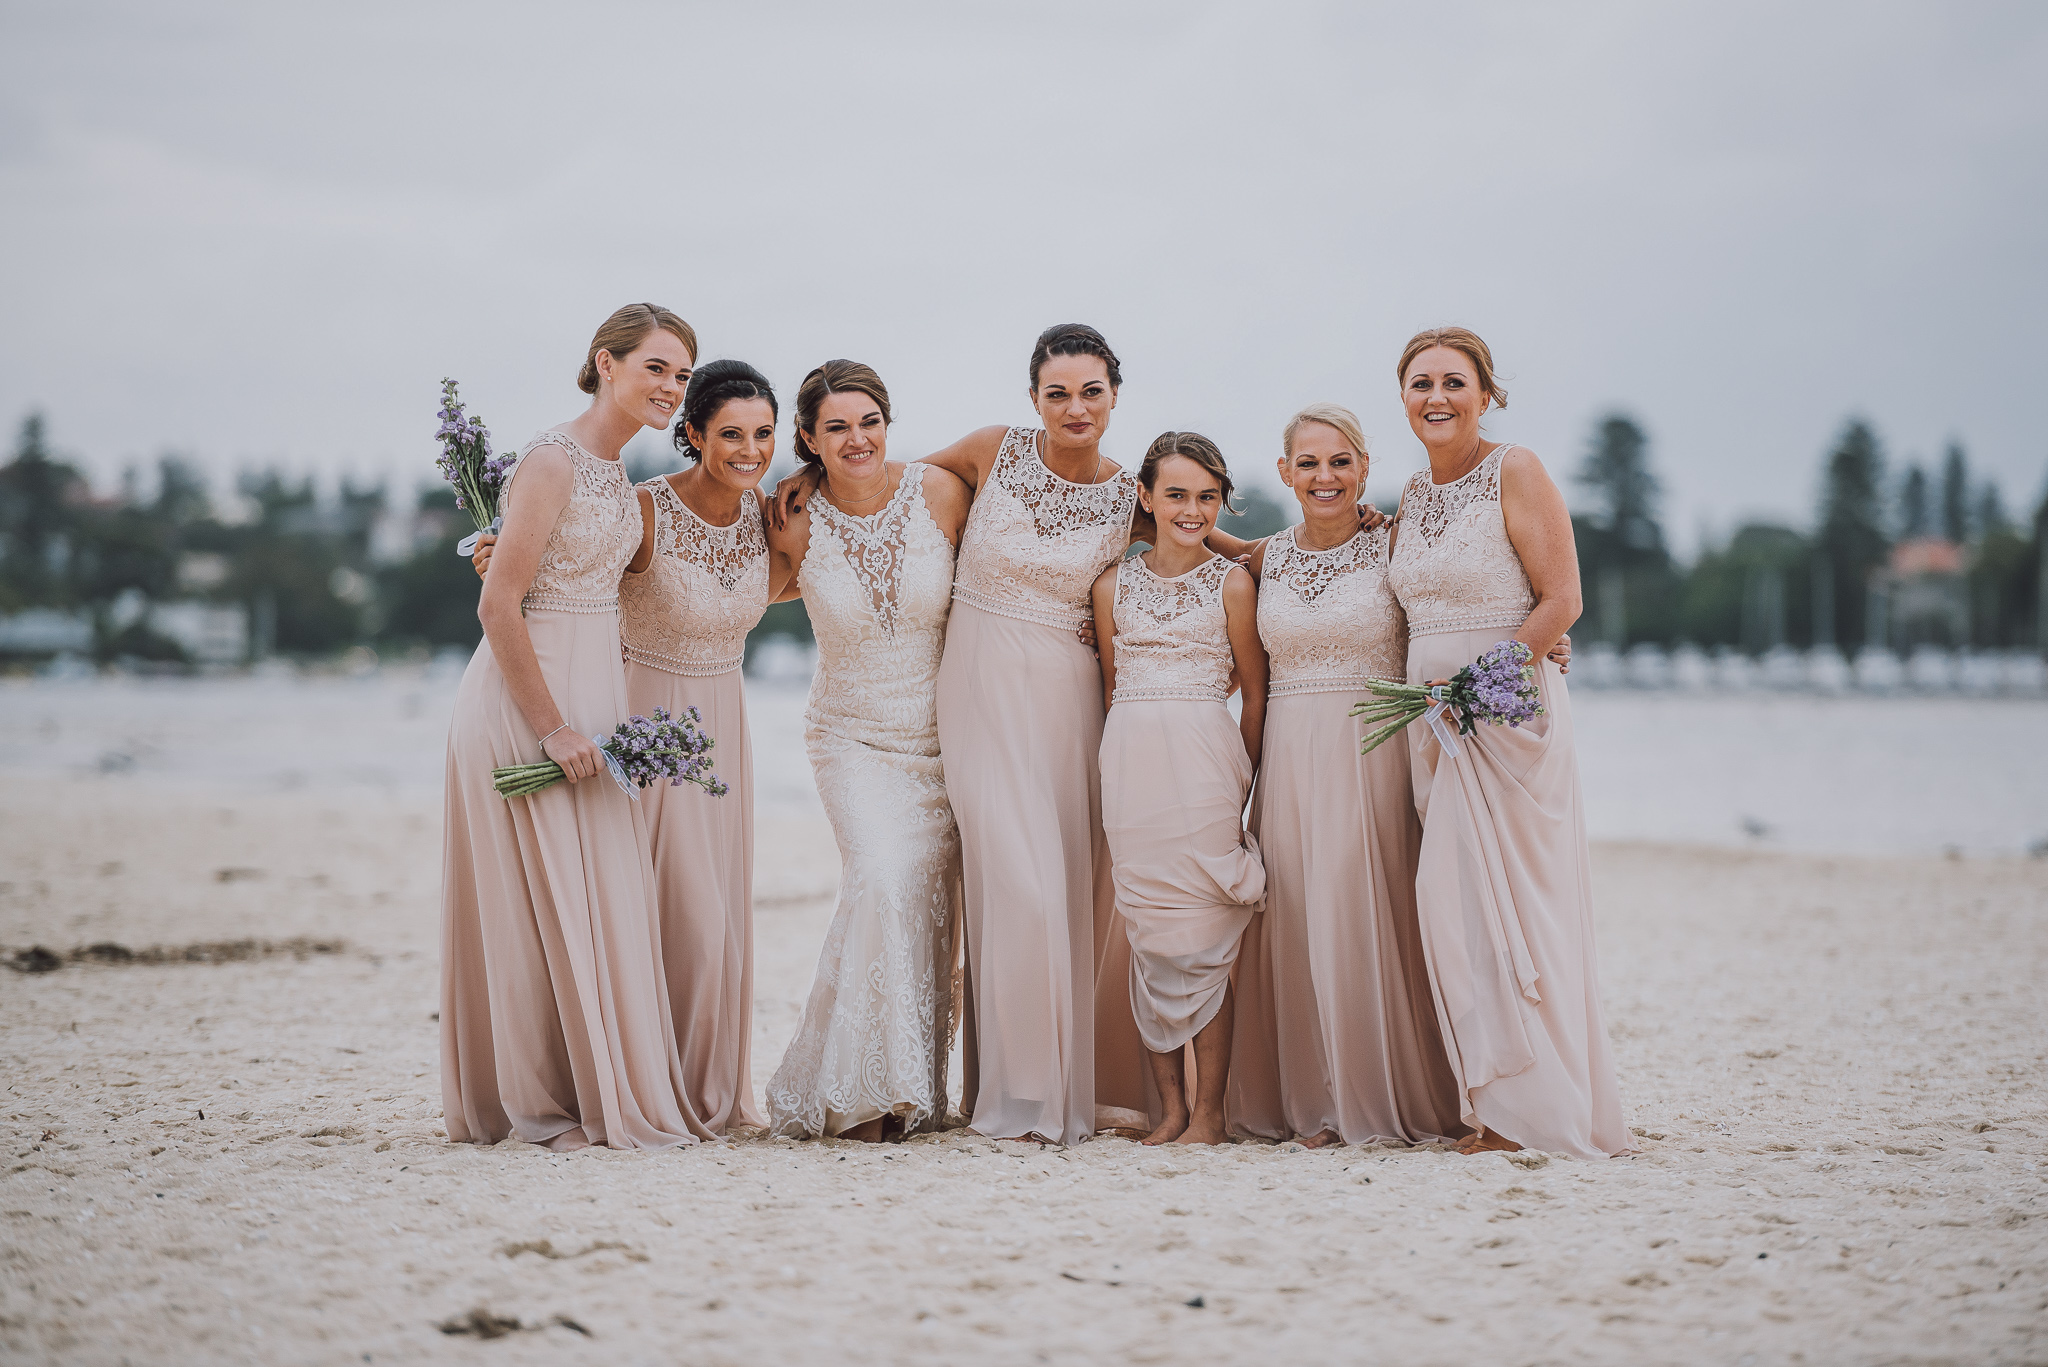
<point x="1504" y="896"/>
<point x="1020" y="721"/>
<point x="703" y="849"/>
<point x="1174" y="780"/>
<point x="555" y="1023"/>
<point x="1336" y="1027"/>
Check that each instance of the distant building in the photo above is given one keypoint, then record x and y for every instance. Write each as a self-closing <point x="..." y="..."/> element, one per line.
<point x="1927" y="594"/>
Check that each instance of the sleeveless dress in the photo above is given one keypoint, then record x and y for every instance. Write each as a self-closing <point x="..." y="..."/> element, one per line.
<point x="1020" y="719"/>
<point x="1336" y="1029"/>
<point x="684" y="621"/>
<point x="1503" y="888"/>
<point x="875" y="1033"/>
<point x="555" y="1023"/>
<point x="1174" y="779"/>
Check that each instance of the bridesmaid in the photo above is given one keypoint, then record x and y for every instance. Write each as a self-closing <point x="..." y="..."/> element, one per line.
<point x="1337" y="1038"/>
<point x="1177" y="623"/>
<point x="1483" y="549"/>
<point x="699" y="583"/>
<point x="554" y="1016"/>
<point x="1020" y="721"/>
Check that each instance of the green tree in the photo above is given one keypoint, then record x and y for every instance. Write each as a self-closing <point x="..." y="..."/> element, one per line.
<point x="1955" y="495"/>
<point x="1851" y="534"/>
<point x="1916" y="510"/>
<point x="1631" y="588"/>
<point x="43" y="503"/>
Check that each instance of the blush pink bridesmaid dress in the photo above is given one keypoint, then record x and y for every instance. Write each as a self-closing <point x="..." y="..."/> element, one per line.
<point x="1336" y="1028"/>
<point x="684" y="621"/>
<point x="1020" y="721"/>
<point x="1175" y="776"/>
<point x="555" y="1022"/>
<point x="1503" y="888"/>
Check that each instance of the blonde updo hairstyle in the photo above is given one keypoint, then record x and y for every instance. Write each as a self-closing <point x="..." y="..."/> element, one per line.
<point x="1458" y="339"/>
<point x="627" y="329"/>
<point x="1329" y="415"/>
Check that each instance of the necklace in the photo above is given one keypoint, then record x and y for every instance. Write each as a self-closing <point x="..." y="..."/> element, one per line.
<point x="1471" y="463"/>
<point x="846" y="505"/>
<point x="1045" y="443"/>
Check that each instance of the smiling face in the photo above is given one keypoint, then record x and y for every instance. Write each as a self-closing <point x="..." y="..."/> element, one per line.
<point x="647" y="383"/>
<point x="1324" y="471"/>
<point x="1444" y="399"/>
<point x="738" y="444"/>
<point x="852" y="437"/>
<point x="1184" y="500"/>
<point x="1074" y="399"/>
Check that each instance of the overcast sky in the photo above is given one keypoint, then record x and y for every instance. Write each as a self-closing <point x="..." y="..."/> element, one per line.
<point x="262" y="233"/>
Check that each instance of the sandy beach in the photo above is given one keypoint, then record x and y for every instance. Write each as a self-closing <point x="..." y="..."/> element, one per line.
<point x="1833" y="1064"/>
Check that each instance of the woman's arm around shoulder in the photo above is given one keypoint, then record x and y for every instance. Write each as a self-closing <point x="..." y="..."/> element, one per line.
<point x="1539" y="527"/>
<point x="786" y="546"/>
<point x="1248" y="654"/>
<point x="1102" y="600"/>
<point x="971" y="457"/>
<point x="947" y="498"/>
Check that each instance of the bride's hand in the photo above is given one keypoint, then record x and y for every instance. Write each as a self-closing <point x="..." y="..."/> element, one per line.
<point x="791" y="495"/>
<point x="481" y="557"/>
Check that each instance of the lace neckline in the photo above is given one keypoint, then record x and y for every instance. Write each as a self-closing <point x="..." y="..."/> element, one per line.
<point x="1139" y="561"/>
<point x="1484" y="461"/>
<point x="1347" y="544"/>
<point x="1056" y="477"/>
<point x="550" y="437"/>
<point x="676" y="500"/>
<point x="865" y="519"/>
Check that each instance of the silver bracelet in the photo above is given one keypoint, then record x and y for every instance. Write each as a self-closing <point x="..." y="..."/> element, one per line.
<point x="544" y="739"/>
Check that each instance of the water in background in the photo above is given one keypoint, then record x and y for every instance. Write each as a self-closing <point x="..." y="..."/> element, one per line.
<point x="1854" y="772"/>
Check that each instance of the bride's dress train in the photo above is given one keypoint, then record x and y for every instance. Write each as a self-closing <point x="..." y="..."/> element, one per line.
<point x="877" y="1028"/>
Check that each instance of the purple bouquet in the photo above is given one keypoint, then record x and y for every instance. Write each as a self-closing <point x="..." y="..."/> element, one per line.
<point x="641" y="752"/>
<point x="1498" y="687"/>
<point x="467" y="463"/>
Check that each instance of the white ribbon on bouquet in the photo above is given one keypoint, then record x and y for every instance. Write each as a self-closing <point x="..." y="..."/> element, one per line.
<point x="1446" y="734"/>
<point x="467" y="546"/>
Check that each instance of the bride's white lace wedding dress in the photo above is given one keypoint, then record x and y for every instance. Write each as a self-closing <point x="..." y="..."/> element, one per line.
<point x="879" y="1023"/>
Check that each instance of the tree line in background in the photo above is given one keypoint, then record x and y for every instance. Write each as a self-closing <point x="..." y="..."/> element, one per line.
<point x="1931" y="557"/>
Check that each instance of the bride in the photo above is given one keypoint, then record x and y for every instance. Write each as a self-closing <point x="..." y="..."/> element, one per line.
<point x="875" y="556"/>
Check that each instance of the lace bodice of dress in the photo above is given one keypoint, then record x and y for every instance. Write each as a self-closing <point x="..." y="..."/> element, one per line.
<point x="1034" y="542"/>
<point x="1454" y="568"/>
<point x="1328" y="619"/>
<point x="594" y="538"/>
<point x="1172" y="640"/>
<point x="706" y="588"/>
<point x="878" y="589"/>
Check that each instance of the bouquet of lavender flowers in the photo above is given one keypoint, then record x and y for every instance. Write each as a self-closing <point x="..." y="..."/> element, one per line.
<point x="1499" y="687"/>
<point x="467" y="463"/>
<point x="642" y="751"/>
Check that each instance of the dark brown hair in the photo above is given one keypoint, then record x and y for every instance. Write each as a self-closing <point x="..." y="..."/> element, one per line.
<point x="1073" y="339"/>
<point x="627" y="329"/>
<point x="833" y="377"/>
<point x="1196" y="448"/>
<point x="1458" y="339"/>
<point x="711" y="388"/>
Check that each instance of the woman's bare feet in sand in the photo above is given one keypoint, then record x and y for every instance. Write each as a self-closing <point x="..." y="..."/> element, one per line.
<point x="1203" y="1131"/>
<point x="867" y="1132"/>
<point x="1168" y="1132"/>
<point x="1486" y="1141"/>
<point x="1320" y="1141"/>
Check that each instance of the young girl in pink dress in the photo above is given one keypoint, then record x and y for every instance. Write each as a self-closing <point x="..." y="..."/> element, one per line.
<point x="1175" y="624"/>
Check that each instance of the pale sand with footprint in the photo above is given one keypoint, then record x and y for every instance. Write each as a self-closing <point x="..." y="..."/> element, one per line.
<point x="1835" y="1065"/>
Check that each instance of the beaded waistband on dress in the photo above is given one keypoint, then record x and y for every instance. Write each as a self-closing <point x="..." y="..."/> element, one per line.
<point x="1168" y="695"/>
<point x="1465" y="621"/>
<point x="1070" y="619"/>
<point x="689" y="669"/>
<point x="564" y="602"/>
<point x="1327" y="683"/>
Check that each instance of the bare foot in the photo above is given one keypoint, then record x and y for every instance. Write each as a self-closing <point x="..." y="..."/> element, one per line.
<point x="1168" y="1132"/>
<point x="1320" y="1141"/>
<point x="1486" y="1141"/>
<point x="867" y="1132"/>
<point x="1203" y="1132"/>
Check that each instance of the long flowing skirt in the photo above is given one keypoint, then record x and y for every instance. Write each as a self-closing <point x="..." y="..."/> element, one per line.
<point x="879" y="1023"/>
<point x="1174" y="780"/>
<point x="703" y="848"/>
<point x="555" y="1023"/>
<point x="1020" y="723"/>
<point x="1504" y="893"/>
<point x="1336" y="1026"/>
